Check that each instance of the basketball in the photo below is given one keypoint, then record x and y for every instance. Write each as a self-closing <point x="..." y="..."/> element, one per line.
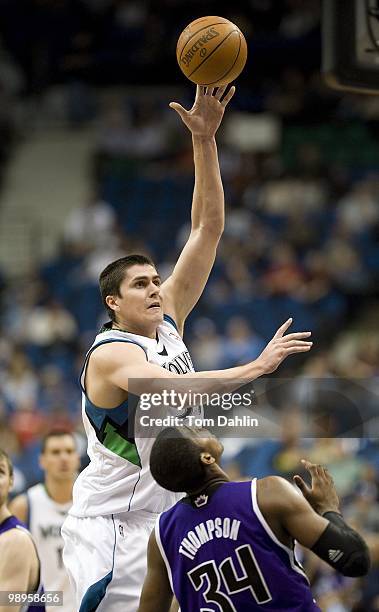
<point x="211" y="51"/>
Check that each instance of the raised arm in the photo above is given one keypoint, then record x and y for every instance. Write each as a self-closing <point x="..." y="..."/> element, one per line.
<point x="314" y="519"/>
<point x="184" y="287"/>
<point x="156" y="592"/>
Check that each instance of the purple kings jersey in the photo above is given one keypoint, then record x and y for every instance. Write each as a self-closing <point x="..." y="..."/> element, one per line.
<point x="222" y="555"/>
<point x="13" y="523"/>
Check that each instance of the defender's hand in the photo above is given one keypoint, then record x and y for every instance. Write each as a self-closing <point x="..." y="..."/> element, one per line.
<point x="322" y="494"/>
<point x="206" y="114"/>
<point x="281" y="346"/>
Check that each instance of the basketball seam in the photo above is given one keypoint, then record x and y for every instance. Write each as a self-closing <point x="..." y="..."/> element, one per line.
<point x="198" y="21"/>
<point x="211" y="53"/>
<point x="230" y="69"/>
<point x="197" y="31"/>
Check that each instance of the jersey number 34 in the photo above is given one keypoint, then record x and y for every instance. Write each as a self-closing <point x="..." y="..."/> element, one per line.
<point x="215" y="578"/>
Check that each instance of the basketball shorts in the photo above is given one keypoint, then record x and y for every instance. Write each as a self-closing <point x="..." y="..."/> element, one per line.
<point x="106" y="559"/>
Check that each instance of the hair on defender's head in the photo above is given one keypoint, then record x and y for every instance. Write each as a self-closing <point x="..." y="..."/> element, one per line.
<point x="175" y="461"/>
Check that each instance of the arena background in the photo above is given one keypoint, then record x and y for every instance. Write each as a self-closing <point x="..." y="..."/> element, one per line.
<point x="94" y="164"/>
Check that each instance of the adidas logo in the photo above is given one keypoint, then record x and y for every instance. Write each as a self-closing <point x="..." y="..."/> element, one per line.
<point x="335" y="555"/>
<point x="201" y="501"/>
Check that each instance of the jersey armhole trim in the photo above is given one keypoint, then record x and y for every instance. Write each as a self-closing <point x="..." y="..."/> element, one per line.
<point x="162" y="551"/>
<point x="95" y="347"/>
<point x="271" y="534"/>
<point x="170" y="320"/>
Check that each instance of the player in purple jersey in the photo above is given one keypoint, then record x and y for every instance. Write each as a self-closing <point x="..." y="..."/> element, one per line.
<point x="229" y="546"/>
<point x="19" y="562"/>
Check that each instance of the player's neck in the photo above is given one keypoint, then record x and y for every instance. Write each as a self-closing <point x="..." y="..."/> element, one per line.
<point x="4" y="513"/>
<point x="210" y="482"/>
<point x="59" y="491"/>
<point x="124" y="326"/>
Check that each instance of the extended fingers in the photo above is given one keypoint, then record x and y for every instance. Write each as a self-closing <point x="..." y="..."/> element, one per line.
<point x="296" y="336"/>
<point x="283" y="328"/>
<point x="317" y="471"/>
<point x="325" y="474"/>
<point x="228" y="96"/>
<point x="302" y="485"/>
<point x="179" y="109"/>
<point x="299" y="348"/>
<point x="220" y="92"/>
<point x="312" y="468"/>
<point x="200" y="91"/>
<point x="210" y="91"/>
<point x="296" y="344"/>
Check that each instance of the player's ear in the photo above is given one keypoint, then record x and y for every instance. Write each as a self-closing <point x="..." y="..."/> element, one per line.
<point x="111" y="302"/>
<point x="207" y="458"/>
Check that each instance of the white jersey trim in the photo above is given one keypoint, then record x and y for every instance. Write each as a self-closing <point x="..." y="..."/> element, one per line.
<point x="88" y="355"/>
<point x="162" y="551"/>
<point x="270" y="533"/>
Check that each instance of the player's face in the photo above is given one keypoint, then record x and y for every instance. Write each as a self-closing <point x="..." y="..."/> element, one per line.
<point x="206" y="440"/>
<point x="6" y="481"/>
<point x="140" y="303"/>
<point x="60" y="460"/>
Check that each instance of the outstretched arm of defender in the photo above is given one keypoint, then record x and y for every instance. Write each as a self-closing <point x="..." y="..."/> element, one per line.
<point x="184" y="287"/>
<point x="323" y="531"/>
<point x="156" y="592"/>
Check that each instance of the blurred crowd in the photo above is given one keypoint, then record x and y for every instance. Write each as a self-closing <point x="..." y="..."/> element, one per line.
<point x="117" y="41"/>
<point x="301" y="236"/>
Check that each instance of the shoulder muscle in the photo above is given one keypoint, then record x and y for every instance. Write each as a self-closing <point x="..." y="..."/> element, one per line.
<point x="112" y="354"/>
<point x="113" y="357"/>
<point x="18" y="559"/>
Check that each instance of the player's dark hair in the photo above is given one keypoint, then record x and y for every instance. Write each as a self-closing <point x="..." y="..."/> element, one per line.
<point x="58" y="433"/>
<point x="112" y="276"/>
<point x="4" y="455"/>
<point x="175" y="461"/>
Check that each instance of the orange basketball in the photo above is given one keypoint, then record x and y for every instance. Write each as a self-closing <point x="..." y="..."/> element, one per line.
<point x="211" y="51"/>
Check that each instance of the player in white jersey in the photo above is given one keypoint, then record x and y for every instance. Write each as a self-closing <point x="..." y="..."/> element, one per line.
<point x="44" y="507"/>
<point x="115" y="500"/>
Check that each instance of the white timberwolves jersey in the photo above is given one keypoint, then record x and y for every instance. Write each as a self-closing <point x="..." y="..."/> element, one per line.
<point x="118" y="477"/>
<point x="46" y="518"/>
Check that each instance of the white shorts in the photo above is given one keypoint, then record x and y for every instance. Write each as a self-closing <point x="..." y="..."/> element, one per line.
<point x="106" y="559"/>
